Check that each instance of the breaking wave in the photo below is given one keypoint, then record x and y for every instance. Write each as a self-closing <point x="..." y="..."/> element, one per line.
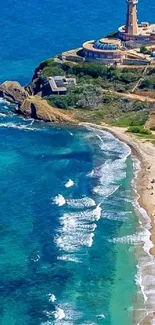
<point x="70" y="183"/>
<point x="18" y="126"/>
<point x="77" y="230"/>
<point x="59" y="200"/>
<point x="84" y="202"/>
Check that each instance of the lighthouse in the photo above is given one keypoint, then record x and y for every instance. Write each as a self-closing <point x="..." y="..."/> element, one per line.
<point x="131" y="27"/>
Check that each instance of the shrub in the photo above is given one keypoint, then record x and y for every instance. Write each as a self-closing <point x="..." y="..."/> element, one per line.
<point x="147" y="84"/>
<point x="144" y="50"/>
<point x="152" y="128"/>
<point x="63" y="101"/>
<point x="139" y="130"/>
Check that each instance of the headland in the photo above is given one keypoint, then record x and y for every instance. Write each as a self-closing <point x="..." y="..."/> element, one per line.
<point x="109" y="82"/>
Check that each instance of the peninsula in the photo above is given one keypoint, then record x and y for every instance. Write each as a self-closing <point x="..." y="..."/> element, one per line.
<point x="111" y="79"/>
<point x="108" y="83"/>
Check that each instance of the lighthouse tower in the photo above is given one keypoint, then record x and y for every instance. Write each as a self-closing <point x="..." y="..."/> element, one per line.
<point x="131" y="27"/>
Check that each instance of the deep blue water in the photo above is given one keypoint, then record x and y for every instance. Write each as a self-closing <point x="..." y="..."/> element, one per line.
<point x="34" y="30"/>
<point x="57" y="241"/>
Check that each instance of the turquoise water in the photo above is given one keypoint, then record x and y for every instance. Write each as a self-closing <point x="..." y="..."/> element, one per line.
<point x="67" y="249"/>
<point x="67" y="253"/>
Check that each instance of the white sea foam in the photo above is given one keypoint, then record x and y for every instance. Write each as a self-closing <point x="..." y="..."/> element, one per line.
<point x="52" y="297"/>
<point x="91" y="174"/>
<point x="146" y="266"/>
<point x="3" y="115"/>
<point x="73" y="242"/>
<point x="101" y="316"/>
<point x="84" y="202"/>
<point x="77" y="229"/>
<point x="59" y="200"/>
<point x="109" y="143"/>
<point x="69" y="258"/>
<point x="105" y="191"/>
<point x="37" y="258"/>
<point x="69" y="183"/>
<point x="59" y="313"/>
<point x="2" y="100"/>
<point x="112" y="170"/>
<point x="109" y="174"/>
<point x="116" y="216"/>
<point x="17" y="126"/>
<point x="138" y="238"/>
<point x="71" y="314"/>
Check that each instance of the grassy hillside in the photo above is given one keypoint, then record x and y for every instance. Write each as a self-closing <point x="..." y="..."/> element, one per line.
<point x="95" y="98"/>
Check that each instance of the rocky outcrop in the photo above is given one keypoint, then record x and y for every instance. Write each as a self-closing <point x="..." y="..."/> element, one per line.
<point x="38" y="108"/>
<point x="13" y="92"/>
<point x="32" y="106"/>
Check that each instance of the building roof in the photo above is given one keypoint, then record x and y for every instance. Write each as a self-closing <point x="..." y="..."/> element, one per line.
<point x="54" y="86"/>
<point x="145" y="31"/>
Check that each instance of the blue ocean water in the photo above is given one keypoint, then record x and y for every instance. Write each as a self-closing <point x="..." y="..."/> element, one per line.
<point x="67" y="225"/>
<point x="67" y="222"/>
<point x="34" y="30"/>
<point x="61" y="240"/>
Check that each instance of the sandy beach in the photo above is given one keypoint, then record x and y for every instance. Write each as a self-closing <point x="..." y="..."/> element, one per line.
<point x="145" y="183"/>
<point x="144" y="151"/>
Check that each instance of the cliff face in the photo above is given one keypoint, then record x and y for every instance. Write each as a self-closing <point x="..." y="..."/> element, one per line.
<point x="13" y="92"/>
<point x="40" y="109"/>
<point x="32" y="106"/>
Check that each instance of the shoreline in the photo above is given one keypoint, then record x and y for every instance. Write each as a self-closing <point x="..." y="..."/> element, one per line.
<point x="144" y="190"/>
<point x="145" y="179"/>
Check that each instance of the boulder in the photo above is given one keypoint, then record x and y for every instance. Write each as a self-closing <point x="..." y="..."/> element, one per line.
<point x="13" y="92"/>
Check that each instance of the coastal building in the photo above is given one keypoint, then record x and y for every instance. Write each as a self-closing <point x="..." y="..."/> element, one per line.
<point x="123" y="47"/>
<point x="140" y="34"/>
<point x="105" y="50"/>
<point x="57" y="85"/>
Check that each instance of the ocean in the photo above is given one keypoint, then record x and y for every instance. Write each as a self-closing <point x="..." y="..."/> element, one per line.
<point x="70" y="233"/>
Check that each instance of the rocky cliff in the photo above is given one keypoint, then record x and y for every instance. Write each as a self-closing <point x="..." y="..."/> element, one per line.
<point x="33" y="106"/>
<point x="38" y="108"/>
<point x="13" y="92"/>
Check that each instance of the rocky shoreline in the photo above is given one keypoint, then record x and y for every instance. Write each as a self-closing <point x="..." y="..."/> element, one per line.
<point x="32" y="105"/>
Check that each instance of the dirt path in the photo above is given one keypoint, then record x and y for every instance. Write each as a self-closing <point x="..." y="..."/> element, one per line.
<point x="131" y="96"/>
<point x="138" y="83"/>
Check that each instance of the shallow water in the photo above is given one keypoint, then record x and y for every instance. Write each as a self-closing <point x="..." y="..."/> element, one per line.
<point x="67" y="253"/>
<point x="74" y="244"/>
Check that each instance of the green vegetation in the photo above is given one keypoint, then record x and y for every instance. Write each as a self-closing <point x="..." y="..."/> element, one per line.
<point x="148" y="83"/>
<point x="144" y="50"/>
<point x="139" y="129"/>
<point x="109" y="77"/>
<point x="95" y="97"/>
<point x="114" y="111"/>
<point x="130" y="119"/>
<point x="63" y="101"/>
<point x="149" y="80"/>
